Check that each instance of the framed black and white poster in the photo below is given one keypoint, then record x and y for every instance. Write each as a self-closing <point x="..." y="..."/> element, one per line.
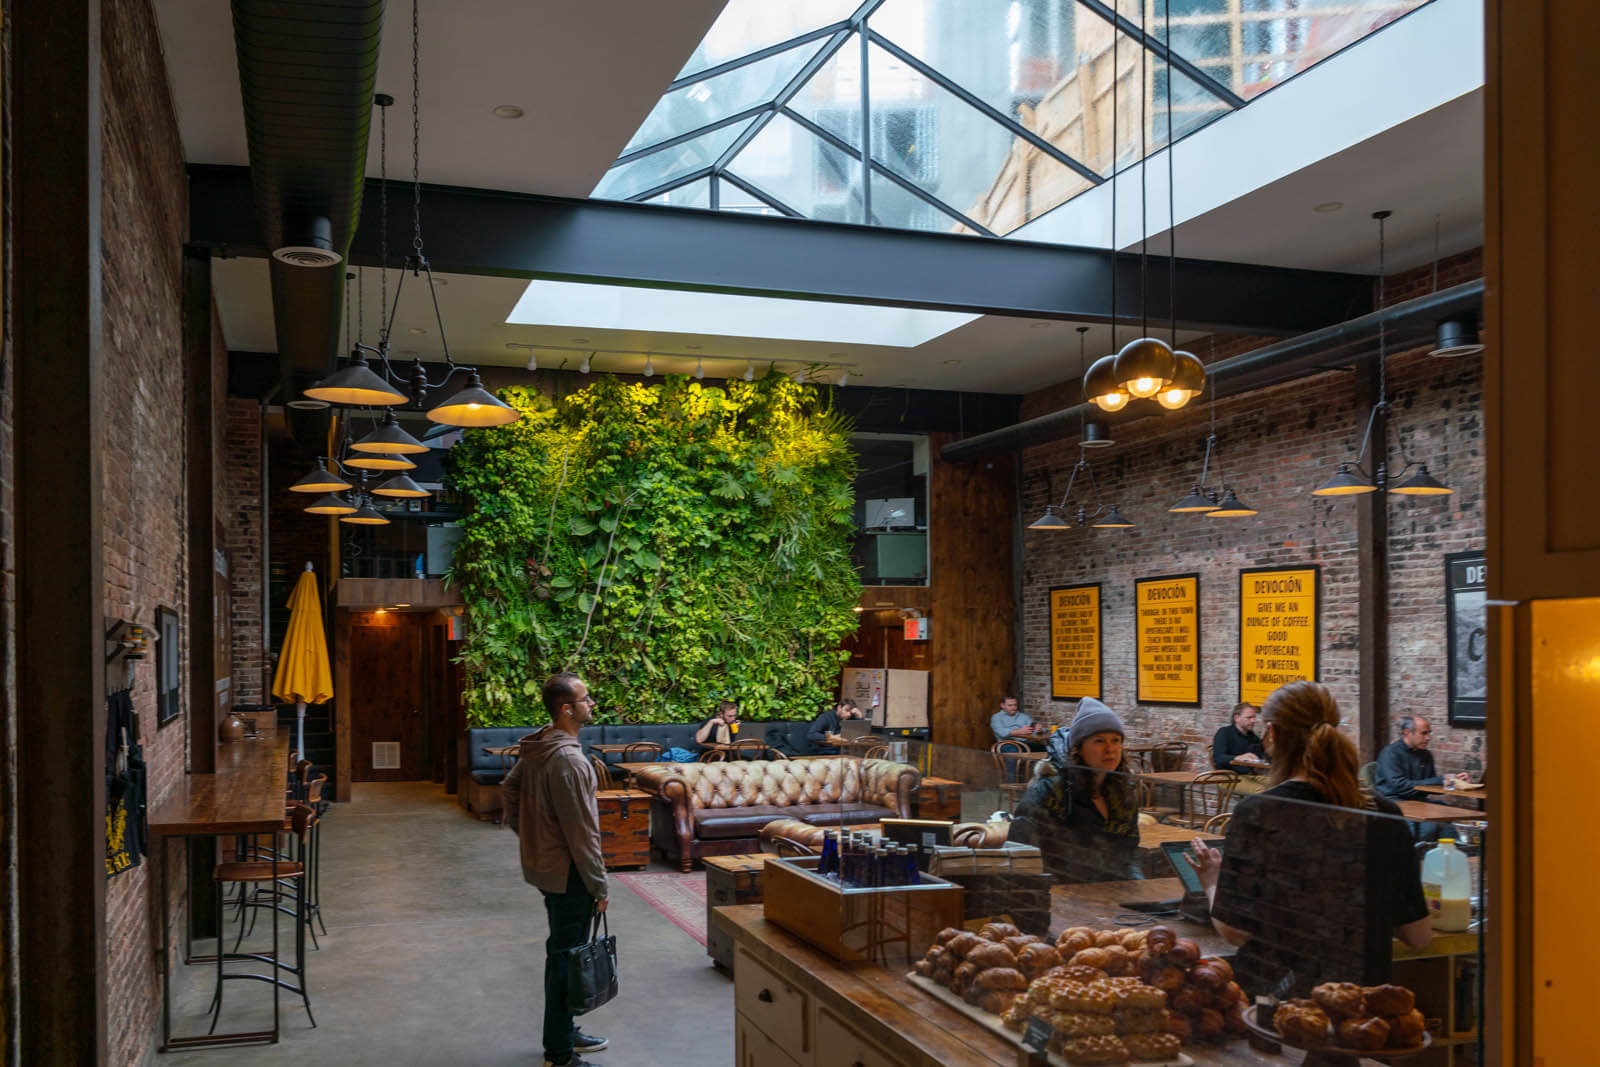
<point x="168" y="686"/>
<point x="1465" y="582"/>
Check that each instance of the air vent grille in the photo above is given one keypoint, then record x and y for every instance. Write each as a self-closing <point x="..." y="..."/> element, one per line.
<point x="307" y="256"/>
<point x="386" y="755"/>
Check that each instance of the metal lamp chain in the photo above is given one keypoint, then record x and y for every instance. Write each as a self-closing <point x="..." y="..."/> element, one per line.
<point x="383" y="215"/>
<point x="416" y="132"/>
<point x="1172" y="214"/>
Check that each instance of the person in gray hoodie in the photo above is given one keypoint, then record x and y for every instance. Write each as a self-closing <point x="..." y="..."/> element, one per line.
<point x="549" y="799"/>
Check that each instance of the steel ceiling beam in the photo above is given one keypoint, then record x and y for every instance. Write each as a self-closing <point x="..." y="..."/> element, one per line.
<point x="473" y="231"/>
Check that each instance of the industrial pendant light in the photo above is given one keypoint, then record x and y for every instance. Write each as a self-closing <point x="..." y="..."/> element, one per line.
<point x="750" y="371"/>
<point x="1094" y="433"/>
<point x="1221" y="502"/>
<point x="356" y="385"/>
<point x="1100" y="386"/>
<point x="1049" y="521"/>
<point x="649" y="367"/>
<point x="1145" y="364"/>
<point x="473" y="407"/>
<point x="369" y="461"/>
<point x="1457" y="336"/>
<point x="390" y="440"/>
<point x="583" y="368"/>
<point x="1230" y="508"/>
<point x="366" y="515"/>
<point x="320" y="481"/>
<point x="1188" y="381"/>
<point x="400" y="486"/>
<point x="1113" y="520"/>
<point x="1354" y="480"/>
<point x="331" y="505"/>
<point x="1420" y="483"/>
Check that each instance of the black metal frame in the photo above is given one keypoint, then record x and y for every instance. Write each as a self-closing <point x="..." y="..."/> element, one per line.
<point x="1462" y="711"/>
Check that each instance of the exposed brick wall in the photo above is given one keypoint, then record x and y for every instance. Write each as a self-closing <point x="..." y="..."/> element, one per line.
<point x="144" y="219"/>
<point x="240" y="465"/>
<point x="1275" y="445"/>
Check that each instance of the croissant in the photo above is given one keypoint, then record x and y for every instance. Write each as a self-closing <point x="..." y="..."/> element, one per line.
<point x="1000" y="978"/>
<point x="963" y="978"/>
<point x="1073" y="941"/>
<point x="998" y="931"/>
<point x="945" y="935"/>
<point x="1208" y="1023"/>
<point x="1106" y="938"/>
<point x="1364" y="1033"/>
<point x="1036" y="960"/>
<point x="1119" y="961"/>
<point x="1094" y="957"/>
<point x="992" y="954"/>
<point x="963" y="943"/>
<point x="997" y="1001"/>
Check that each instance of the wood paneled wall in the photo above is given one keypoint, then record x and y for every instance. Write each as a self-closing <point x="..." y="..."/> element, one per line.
<point x="972" y="645"/>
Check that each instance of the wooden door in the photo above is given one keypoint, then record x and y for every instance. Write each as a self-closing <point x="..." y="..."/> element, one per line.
<point x="388" y="698"/>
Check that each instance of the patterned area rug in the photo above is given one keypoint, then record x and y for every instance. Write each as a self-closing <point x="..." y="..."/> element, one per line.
<point x="680" y="897"/>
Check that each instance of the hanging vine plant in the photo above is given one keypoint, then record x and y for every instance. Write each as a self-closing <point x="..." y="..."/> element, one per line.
<point x="675" y="544"/>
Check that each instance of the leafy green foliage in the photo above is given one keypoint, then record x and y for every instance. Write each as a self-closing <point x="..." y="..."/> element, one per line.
<point x="674" y="544"/>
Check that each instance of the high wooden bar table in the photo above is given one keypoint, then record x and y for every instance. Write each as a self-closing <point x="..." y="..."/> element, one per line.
<point x="244" y="796"/>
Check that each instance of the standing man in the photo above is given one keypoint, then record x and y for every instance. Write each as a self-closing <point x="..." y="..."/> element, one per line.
<point x="550" y="803"/>
<point x="1405" y="764"/>
<point x="1009" y="724"/>
<point x="826" y="725"/>
<point x="1238" y="740"/>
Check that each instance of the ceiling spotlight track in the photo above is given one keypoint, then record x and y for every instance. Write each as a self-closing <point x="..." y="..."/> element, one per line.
<point x="1352" y="479"/>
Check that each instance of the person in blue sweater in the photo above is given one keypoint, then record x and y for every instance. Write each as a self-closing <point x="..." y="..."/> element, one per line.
<point x="1405" y="764"/>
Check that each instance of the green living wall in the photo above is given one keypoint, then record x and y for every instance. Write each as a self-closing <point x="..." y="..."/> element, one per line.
<point x="674" y="544"/>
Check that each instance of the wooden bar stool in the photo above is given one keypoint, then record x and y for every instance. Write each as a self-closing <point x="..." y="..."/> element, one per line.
<point x="270" y="873"/>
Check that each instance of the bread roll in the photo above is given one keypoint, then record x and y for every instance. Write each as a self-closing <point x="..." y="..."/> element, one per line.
<point x="1167" y="979"/>
<point x="1151" y="1047"/>
<point x="1140" y="1020"/>
<point x="1301" y="1023"/>
<point x="1365" y="1033"/>
<point x="1082" y="972"/>
<point x="1160" y="939"/>
<point x="1341" y="1000"/>
<point x="1389" y="1000"/>
<point x="1070" y="1024"/>
<point x="1095" y="1050"/>
<point x="1405" y="1031"/>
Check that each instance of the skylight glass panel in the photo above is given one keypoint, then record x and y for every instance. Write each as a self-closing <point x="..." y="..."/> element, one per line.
<point x="713" y="99"/>
<point x="803" y="171"/>
<point x="935" y="140"/>
<point x="892" y="206"/>
<point x="694" y="194"/>
<point x="647" y="172"/>
<point x="748" y="26"/>
<point x="831" y="97"/>
<point x="609" y="307"/>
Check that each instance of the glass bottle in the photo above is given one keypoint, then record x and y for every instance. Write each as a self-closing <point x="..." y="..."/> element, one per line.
<point x="830" y="856"/>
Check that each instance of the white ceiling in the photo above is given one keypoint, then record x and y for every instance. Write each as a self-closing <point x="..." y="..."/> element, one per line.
<point x="586" y="86"/>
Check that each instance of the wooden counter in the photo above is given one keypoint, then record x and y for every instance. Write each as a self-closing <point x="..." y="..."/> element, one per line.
<point x="244" y="796"/>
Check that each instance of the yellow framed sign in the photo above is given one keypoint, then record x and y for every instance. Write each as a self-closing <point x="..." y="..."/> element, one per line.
<point x="1075" y="642"/>
<point x="1167" y="639"/>
<point x="1278" y="629"/>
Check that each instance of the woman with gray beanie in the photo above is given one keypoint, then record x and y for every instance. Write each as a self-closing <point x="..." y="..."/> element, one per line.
<point x="1085" y="817"/>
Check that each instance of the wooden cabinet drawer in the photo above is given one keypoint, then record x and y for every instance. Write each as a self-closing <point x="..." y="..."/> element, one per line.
<point x="752" y="1048"/>
<point x="778" y="1009"/>
<point x="838" y="1044"/>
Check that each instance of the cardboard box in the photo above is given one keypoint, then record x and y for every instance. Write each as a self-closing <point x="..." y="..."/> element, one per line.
<point x="892" y="699"/>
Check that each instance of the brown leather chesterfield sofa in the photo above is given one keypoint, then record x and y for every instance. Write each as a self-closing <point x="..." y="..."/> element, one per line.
<point x="718" y="809"/>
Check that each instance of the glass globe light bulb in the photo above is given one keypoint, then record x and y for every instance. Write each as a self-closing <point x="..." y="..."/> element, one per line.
<point x="1111" y="401"/>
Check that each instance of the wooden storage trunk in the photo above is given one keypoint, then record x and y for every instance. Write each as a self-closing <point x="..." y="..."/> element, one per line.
<point x="730" y="880"/>
<point x="938" y="798"/>
<point x="892" y="926"/>
<point x="624" y="827"/>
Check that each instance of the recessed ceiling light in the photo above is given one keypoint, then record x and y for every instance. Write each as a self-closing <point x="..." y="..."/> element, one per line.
<point x="410" y="353"/>
<point x="415" y="331"/>
<point x="508" y="111"/>
<point x="1038" y="325"/>
<point x="1331" y="205"/>
<point x="951" y="362"/>
<point x="579" y="340"/>
<point x="694" y="348"/>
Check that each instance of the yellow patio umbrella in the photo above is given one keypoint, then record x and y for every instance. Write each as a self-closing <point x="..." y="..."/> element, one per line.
<point x="303" y="674"/>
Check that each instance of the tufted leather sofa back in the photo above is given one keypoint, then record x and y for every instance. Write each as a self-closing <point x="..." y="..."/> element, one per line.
<point x="782" y="783"/>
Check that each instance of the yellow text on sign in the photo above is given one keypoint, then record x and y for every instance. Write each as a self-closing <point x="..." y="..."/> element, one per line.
<point x="1075" y="642"/>
<point x="1167" y="632"/>
<point x="1277" y="630"/>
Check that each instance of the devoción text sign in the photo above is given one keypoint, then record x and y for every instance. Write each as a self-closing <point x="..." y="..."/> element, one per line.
<point x="1167" y="637"/>
<point x="1075" y="642"/>
<point x="1277" y="630"/>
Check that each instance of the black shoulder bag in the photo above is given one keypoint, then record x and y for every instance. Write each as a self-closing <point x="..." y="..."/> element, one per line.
<point x="592" y="969"/>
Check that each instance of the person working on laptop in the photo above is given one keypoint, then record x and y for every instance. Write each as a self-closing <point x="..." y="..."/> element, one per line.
<point x="1009" y="724"/>
<point x="827" y="725"/>
<point x="1085" y="817"/>
<point x="1316" y="875"/>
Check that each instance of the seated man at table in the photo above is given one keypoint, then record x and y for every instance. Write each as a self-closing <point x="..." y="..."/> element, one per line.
<point x="1238" y="740"/>
<point x="1009" y="724"/>
<point x="721" y="727"/>
<point x="826" y="725"/>
<point x="1405" y="764"/>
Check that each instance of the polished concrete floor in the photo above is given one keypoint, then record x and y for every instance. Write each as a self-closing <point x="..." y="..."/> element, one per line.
<point x="434" y="956"/>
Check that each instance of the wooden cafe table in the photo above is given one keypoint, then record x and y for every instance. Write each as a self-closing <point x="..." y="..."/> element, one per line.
<point x="1473" y="795"/>
<point x="244" y="796"/>
<point x="1424" y="811"/>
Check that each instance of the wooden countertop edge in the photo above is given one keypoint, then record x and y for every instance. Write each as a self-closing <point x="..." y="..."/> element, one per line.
<point x="905" y="1028"/>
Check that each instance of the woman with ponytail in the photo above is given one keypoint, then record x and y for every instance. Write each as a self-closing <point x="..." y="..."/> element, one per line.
<point x="1317" y="875"/>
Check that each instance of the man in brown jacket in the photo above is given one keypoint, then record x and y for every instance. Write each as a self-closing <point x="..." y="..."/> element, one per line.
<point x="549" y="801"/>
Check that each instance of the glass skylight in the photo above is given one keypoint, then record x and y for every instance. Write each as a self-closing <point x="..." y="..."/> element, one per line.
<point x="978" y="117"/>
<point x="609" y="307"/>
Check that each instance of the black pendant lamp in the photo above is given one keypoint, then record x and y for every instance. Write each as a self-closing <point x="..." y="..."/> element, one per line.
<point x="1457" y="337"/>
<point x="365" y="515"/>
<point x="1096" y="435"/>
<point x="1188" y="381"/>
<point x="1349" y="481"/>
<point x="1113" y="520"/>
<point x="331" y="505"/>
<point x="1196" y="502"/>
<point x="1100" y="386"/>
<point x="370" y="461"/>
<point x="1420" y="483"/>
<point x="1049" y="521"/>
<point x="474" y="406"/>
<point x="400" y="486"/>
<point x="1230" y="508"/>
<point x="320" y="481"/>
<point x="356" y="386"/>
<point x="390" y="440"/>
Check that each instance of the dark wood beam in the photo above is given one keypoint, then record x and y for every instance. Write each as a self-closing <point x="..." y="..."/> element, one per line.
<point x="199" y="385"/>
<point x="60" y="844"/>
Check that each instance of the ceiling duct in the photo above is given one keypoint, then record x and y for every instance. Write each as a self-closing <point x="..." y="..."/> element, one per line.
<point x="307" y="74"/>
<point x="1409" y="324"/>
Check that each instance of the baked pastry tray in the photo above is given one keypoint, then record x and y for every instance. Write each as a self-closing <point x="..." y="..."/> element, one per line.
<point x="993" y="1023"/>
<point x="1330" y="1054"/>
